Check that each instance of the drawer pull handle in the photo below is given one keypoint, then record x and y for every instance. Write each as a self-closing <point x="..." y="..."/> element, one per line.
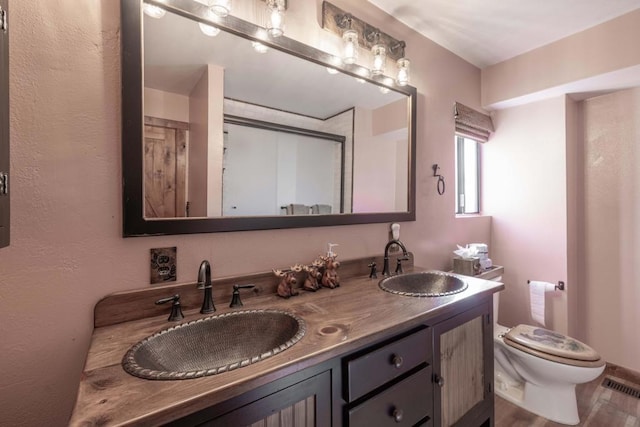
<point x="397" y="361"/>
<point x="438" y="380"/>
<point x="397" y="415"/>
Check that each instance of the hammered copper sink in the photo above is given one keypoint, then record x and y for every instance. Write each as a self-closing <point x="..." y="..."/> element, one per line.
<point x="424" y="284"/>
<point x="213" y="345"/>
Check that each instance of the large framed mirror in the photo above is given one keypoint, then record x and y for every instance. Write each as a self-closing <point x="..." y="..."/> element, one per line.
<point x="218" y="136"/>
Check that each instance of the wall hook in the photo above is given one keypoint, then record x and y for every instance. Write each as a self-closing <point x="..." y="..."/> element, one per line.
<point x="440" y="186"/>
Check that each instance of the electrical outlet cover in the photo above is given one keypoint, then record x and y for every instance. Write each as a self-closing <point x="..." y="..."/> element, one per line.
<point x="163" y="265"/>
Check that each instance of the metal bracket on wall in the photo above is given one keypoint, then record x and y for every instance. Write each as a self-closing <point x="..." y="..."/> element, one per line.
<point x="440" y="186"/>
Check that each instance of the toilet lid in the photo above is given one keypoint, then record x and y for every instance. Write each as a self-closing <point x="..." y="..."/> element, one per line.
<point x="551" y="345"/>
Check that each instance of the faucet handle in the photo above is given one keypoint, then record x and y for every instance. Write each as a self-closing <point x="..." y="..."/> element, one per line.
<point x="176" y="311"/>
<point x="373" y="274"/>
<point x="399" y="264"/>
<point x="235" y="297"/>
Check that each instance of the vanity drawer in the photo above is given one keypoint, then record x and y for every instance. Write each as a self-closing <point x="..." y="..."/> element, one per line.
<point x="404" y="404"/>
<point x="368" y="371"/>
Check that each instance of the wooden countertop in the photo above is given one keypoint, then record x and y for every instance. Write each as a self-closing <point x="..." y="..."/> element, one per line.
<point x="338" y="321"/>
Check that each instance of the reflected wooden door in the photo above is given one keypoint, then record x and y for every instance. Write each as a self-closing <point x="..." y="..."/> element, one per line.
<point x="165" y="166"/>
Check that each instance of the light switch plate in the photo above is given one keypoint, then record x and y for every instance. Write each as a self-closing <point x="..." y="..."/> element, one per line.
<point x="163" y="265"/>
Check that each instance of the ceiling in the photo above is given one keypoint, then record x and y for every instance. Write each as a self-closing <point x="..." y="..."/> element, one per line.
<point x="176" y="53"/>
<point x="485" y="32"/>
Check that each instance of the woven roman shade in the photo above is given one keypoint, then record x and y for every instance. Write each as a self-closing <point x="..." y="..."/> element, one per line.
<point x="471" y="123"/>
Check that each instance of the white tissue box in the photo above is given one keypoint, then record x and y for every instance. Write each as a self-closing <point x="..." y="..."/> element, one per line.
<point x="466" y="266"/>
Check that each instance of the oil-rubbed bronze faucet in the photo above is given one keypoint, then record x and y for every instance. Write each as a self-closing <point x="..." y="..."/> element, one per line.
<point x="399" y="269"/>
<point x="176" y="312"/>
<point x="405" y="255"/>
<point x="235" y="297"/>
<point x="204" y="282"/>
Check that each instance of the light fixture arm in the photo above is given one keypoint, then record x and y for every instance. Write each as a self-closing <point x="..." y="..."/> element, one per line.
<point x="344" y="21"/>
<point x="373" y="35"/>
<point x="398" y="49"/>
<point x="280" y="4"/>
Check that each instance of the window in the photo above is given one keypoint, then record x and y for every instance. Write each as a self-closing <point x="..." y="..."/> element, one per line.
<point x="467" y="175"/>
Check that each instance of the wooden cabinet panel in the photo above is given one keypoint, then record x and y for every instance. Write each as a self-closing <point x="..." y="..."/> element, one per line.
<point x="462" y="363"/>
<point x="306" y="403"/>
<point x="377" y="367"/>
<point x="301" y="414"/>
<point x="463" y="368"/>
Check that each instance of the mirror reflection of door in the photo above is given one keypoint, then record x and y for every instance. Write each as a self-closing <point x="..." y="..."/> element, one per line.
<point x="267" y="169"/>
<point x="165" y="162"/>
<point x="250" y="176"/>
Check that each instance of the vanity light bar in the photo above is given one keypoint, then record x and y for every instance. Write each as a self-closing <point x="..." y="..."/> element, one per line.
<point x="336" y="20"/>
<point x="357" y="33"/>
<point x="281" y="3"/>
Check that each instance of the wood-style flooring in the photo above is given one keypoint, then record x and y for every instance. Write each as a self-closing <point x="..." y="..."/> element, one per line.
<point x="597" y="406"/>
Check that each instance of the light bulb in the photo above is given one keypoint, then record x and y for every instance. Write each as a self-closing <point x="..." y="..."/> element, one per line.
<point x="209" y="30"/>
<point x="350" y="38"/>
<point x="402" y="78"/>
<point x="332" y="70"/>
<point x="153" y="11"/>
<point x="221" y="7"/>
<point x="275" y="23"/>
<point x="379" y="59"/>
<point x="384" y="90"/>
<point x="259" y="47"/>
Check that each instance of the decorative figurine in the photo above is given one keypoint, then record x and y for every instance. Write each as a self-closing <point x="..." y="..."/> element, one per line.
<point x="287" y="282"/>
<point x="311" y="283"/>
<point x="330" y="277"/>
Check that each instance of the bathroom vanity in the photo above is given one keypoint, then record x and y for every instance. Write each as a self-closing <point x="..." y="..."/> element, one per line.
<point x="368" y="357"/>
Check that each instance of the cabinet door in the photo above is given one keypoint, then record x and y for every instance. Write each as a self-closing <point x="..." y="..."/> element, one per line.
<point x="463" y="368"/>
<point x="4" y="124"/>
<point x="305" y="404"/>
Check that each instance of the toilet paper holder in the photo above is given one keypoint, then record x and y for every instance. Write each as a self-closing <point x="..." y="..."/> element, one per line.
<point x="559" y="286"/>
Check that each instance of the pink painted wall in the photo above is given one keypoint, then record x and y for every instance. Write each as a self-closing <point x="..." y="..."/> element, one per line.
<point x="166" y="105"/>
<point x="215" y="139"/>
<point x="604" y="48"/>
<point x="199" y="147"/>
<point x="389" y="118"/>
<point x="587" y="223"/>
<point x="67" y="251"/>
<point x="609" y="307"/>
<point x="525" y="191"/>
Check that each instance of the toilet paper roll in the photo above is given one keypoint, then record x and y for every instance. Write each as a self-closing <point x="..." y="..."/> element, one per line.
<point x="537" y="289"/>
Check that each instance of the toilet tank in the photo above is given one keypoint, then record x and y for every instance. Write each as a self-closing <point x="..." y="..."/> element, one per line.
<point x="493" y="274"/>
<point x="496" y="301"/>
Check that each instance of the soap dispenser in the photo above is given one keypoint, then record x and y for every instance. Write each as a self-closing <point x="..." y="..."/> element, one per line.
<point x="330" y="252"/>
<point x="330" y="278"/>
<point x="394" y="234"/>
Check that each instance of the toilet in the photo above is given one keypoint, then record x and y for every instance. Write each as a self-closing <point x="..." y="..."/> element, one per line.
<point x="538" y="369"/>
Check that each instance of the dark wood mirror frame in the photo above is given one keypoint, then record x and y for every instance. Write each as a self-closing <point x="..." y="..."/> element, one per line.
<point x="134" y="222"/>
<point x="4" y="126"/>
